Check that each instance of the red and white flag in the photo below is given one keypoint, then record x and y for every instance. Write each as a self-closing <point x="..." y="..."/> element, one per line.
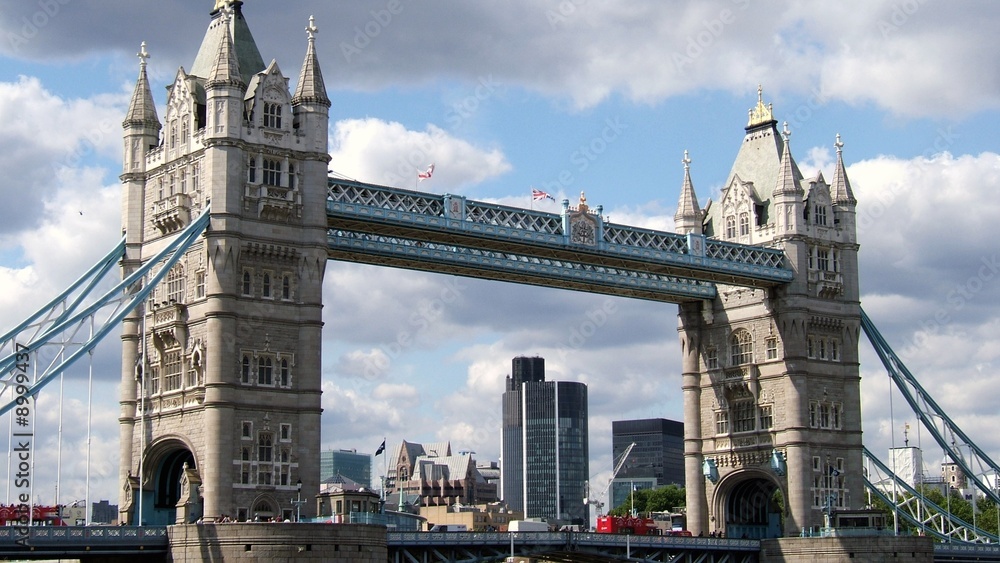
<point x="426" y="174"/>
<point x="539" y="194"/>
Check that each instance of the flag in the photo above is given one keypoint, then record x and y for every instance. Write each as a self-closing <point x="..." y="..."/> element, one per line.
<point x="834" y="472"/>
<point x="425" y="175"/>
<point x="380" y="448"/>
<point x="539" y="194"/>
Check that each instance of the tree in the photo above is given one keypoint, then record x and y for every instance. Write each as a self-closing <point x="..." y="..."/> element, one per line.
<point x="663" y="499"/>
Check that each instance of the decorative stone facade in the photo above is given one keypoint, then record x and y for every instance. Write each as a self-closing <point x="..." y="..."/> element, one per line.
<point x="221" y="369"/>
<point x="770" y="376"/>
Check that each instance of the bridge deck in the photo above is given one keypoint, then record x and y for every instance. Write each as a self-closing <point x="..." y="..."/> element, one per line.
<point x="451" y="234"/>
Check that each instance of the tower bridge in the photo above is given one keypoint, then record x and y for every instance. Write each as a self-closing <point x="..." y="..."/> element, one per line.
<point x="221" y="365"/>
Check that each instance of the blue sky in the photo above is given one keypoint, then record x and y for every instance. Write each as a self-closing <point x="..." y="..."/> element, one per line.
<point x="569" y="96"/>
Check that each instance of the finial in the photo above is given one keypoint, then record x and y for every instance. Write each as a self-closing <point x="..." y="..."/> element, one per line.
<point x="839" y="144"/>
<point x="312" y="29"/>
<point x="225" y="7"/>
<point x="761" y="113"/>
<point x="686" y="161"/>
<point x="785" y="131"/>
<point x="143" y="54"/>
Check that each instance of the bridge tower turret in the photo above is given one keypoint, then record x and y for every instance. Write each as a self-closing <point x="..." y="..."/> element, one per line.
<point x="221" y="369"/>
<point x="770" y="376"/>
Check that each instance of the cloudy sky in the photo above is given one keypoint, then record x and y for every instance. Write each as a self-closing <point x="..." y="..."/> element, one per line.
<point x="566" y="96"/>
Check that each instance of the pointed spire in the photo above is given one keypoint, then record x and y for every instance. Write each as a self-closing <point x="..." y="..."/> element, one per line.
<point x="787" y="178"/>
<point x="141" y="109"/>
<point x="688" y="214"/>
<point x="311" y="88"/>
<point x="226" y="70"/>
<point x="842" y="193"/>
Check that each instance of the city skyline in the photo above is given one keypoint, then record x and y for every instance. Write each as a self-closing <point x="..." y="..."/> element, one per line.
<point x="532" y="97"/>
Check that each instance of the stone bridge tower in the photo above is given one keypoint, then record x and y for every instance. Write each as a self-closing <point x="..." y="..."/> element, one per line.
<point x="220" y="395"/>
<point x="772" y="403"/>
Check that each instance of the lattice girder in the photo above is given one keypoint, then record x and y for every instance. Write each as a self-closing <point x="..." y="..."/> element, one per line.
<point x="103" y="314"/>
<point x="449" y="219"/>
<point x="509" y="265"/>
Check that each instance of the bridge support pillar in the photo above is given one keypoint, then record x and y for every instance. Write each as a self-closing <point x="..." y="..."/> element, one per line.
<point x="860" y="549"/>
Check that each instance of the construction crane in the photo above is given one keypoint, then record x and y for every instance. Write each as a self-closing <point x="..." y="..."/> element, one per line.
<point x="587" y="499"/>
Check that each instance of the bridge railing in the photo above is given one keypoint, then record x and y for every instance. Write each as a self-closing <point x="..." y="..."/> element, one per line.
<point x="86" y="538"/>
<point x="457" y="214"/>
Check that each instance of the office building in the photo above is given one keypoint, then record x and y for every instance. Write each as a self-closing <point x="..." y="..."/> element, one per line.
<point x="545" y="454"/>
<point x="656" y="460"/>
<point x="347" y="463"/>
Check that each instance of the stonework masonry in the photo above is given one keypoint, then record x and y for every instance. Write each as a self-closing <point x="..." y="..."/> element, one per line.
<point x="221" y="384"/>
<point x="770" y="376"/>
<point x="252" y="542"/>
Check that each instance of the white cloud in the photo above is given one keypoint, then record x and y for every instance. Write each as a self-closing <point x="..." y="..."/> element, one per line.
<point x="381" y="152"/>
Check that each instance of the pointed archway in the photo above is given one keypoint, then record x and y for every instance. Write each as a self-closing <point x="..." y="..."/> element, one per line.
<point x="167" y="462"/>
<point x="751" y="506"/>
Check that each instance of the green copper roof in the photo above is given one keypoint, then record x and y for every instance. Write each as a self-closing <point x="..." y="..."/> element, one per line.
<point x="245" y="48"/>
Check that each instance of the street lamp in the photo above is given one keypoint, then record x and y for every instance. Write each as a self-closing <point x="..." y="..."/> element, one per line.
<point x="297" y="501"/>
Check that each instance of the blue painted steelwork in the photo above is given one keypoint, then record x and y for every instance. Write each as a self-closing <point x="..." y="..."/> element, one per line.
<point x="51" y="542"/>
<point x="510" y="266"/>
<point x="456" y="220"/>
<point x="122" y="299"/>
<point x="946" y="433"/>
<point x="921" y="512"/>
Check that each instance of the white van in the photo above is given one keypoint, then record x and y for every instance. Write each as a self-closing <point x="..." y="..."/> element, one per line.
<point x="449" y="528"/>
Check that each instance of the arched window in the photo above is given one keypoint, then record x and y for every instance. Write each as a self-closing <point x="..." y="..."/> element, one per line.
<point x="741" y="348"/>
<point x="265" y="287"/>
<point x="264" y="447"/>
<point x="730" y="227"/>
<point x="175" y="284"/>
<point x="272" y="172"/>
<point x="245" y="370"/>
<point x="284" y="375"/>
<point x="744" y="224"/>
<point x="252" y="171"/>
<point x="286" y="287"/>
<point x="272" y="115"/>
<point x="247" y="284"/>
<point x="265" y="371"/>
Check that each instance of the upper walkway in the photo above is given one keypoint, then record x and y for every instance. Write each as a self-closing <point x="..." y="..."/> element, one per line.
<point x="576" y="249"/>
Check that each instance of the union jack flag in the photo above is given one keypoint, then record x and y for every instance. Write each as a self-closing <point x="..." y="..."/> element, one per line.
<point x="539" y="194"/>
<point x="427" y="173"/>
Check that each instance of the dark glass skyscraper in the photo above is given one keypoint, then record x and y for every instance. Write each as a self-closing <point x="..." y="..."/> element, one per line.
<point x="545" y="459"/>
<point x="656" y="460"/>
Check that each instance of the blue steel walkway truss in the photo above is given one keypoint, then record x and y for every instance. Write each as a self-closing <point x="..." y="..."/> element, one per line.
<point x="71" y="325"/>
<point x="576" y="250"/>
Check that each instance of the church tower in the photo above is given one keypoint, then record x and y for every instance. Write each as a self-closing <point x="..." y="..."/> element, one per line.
<point x="771" y="384"/>
<point x="221" y="384"/>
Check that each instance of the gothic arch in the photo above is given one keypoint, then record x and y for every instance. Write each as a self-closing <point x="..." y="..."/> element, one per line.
<point x="743" y="505"/>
